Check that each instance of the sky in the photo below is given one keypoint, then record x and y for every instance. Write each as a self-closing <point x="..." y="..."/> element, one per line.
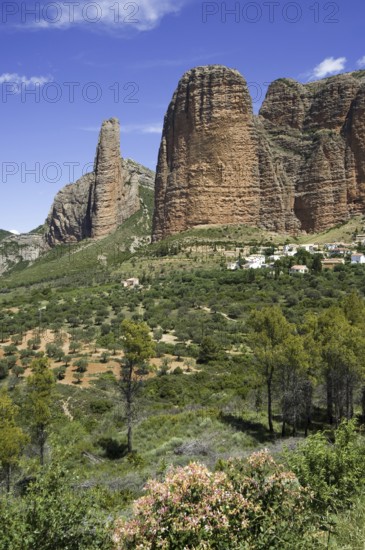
<point x="67" y="66"/>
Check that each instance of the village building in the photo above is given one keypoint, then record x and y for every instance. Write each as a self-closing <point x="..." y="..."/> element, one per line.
<point x="358" y="259"/>
<point x="302" y="269"/>
<point x="331" y="263"/>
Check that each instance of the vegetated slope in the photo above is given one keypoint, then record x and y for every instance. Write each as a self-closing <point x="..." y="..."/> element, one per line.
<point x="4" y="234"/>
<point x="90" y="255"/>
<point x="76" y="263"/>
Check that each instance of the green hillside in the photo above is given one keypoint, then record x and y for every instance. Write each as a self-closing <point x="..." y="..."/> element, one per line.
<point x="88" y="256"/>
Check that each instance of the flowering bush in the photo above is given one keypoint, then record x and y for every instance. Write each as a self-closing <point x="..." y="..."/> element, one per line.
<point x="248" y="504"/>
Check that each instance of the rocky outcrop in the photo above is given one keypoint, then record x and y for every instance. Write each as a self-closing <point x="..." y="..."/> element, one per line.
<point x="297" y="166"/>
<point x="26" y="248"/>
<point x="99" y="202"/>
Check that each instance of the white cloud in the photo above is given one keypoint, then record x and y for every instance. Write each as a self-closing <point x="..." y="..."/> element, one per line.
<point x="141" y="15"/>
<point x="328" y="66"/>
<point x="14" y="231"/>
<point x="19" y="80"/>
<point x="361" y="62"/>
<point x="142" y="129"/>
<point x="152" y="128"/>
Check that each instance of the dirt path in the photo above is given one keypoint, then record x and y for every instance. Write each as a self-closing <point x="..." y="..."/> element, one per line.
<point x="209" y="310"/>
<point x="66" y="409"/>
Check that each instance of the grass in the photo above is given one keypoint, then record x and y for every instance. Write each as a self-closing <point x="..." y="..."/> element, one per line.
<point x="349" y="530"/>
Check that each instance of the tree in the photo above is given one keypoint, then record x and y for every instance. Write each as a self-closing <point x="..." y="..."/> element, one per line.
<point x="12" y="437"/>
<point x="40" y="386"/>
<point x="269" y="331"/>
<point x="292" y="375"/>
<point x="78" y="376"/>
<point x="342" y="350"/>
<point x="209" y="350"/>
<point x="4" y="369"/>
<point x="138" y="347"/>
<point x="317" y="263"/>
<point x="81" y="364"/>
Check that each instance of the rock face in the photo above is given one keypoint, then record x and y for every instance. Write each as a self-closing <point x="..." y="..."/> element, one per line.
<point x="208" y="167"/>
<point x="99" y="202"/>
<point x="21" y="248"/>
<point x="297" y="166"/>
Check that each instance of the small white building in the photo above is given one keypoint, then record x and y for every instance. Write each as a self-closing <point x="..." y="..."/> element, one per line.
<point x="131" y="283"/>
<point x="290" y="249"/>
<point x="255" y="261"/>
<point x="233" y="266"/>
<point x="302" y="269"/>
<point x="358" y="259"/>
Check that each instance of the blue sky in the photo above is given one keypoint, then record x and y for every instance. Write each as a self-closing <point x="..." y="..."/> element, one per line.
<point x="124" y="59"/>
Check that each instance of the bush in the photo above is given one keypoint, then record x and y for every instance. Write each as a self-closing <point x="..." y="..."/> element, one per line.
<point x="100" y="406"/>
<point x="334" y="471"/>
<point x="53" y="515"/>
<point x="248" y="504"/>
<point x="113" y="449"/>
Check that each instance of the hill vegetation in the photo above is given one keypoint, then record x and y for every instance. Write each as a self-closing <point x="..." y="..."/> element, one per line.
<point x="4" y="234"/>
<point x="239" y="361"/>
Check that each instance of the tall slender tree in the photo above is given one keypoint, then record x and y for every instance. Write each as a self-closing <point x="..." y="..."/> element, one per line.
<point x="138" y="347"/>
<point x="40" y="386"/>
<point x="269" y="331"/>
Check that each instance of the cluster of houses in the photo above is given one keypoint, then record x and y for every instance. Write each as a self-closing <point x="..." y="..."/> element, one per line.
<point x="334" y="254"/>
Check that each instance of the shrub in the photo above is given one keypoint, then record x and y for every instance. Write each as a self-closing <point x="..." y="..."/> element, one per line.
<point x="333" y="470"/>
<point x="248" y="504"/>
<point x="53" y="515"/>
<point x="112" y="448"/>
<point x="100" y="406"/>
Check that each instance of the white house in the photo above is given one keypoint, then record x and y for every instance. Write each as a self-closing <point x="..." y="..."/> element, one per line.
<point x="233" y="266"/>
<point x="255" y="261"/>
<point x="290" y="249"/>
<point x="299" y="269"/>
<point x="358" y="259"/>
<point x="131" y="283"/>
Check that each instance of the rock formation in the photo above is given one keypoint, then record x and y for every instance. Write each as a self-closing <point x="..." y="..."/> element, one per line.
<point x="26" y="248"/>
<point x="208" y="167"/>
<point x="297" y="166"/>
<point x="99" y="202"/>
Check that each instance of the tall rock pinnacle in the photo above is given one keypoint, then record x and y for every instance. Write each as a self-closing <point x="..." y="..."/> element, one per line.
<point x="98" y="202"/>
<point x="107" y="190"/>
